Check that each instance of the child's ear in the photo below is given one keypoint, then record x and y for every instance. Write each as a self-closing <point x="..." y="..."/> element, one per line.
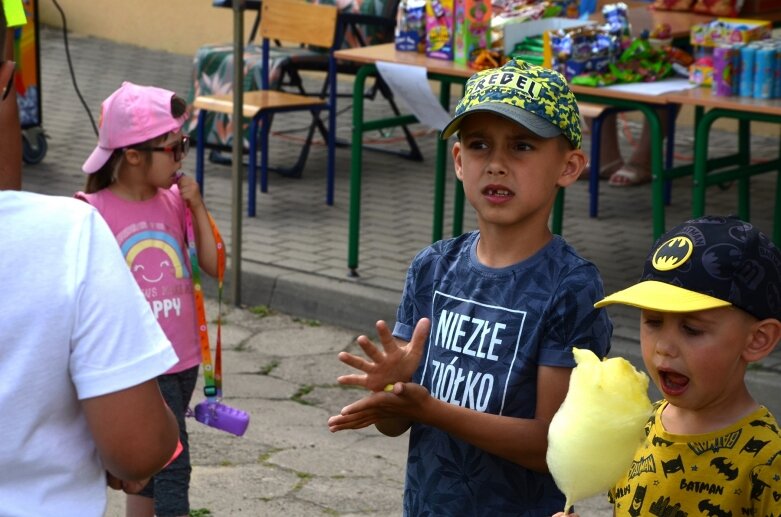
<point x="573" y="166"/>
<point x="457" y="160"/>
<point x="133" y="156"/>
<point x="764" y="337"/>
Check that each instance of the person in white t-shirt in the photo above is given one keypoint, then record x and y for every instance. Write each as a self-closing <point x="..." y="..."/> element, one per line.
<point x="80" y="351"/>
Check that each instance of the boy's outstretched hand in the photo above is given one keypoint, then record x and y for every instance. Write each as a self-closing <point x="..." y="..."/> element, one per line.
<point x="406" y="401"/>
<point x="396" y="362"/>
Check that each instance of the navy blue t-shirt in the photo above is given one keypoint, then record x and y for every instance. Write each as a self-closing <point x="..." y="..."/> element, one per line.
<point x="490" y="331"/>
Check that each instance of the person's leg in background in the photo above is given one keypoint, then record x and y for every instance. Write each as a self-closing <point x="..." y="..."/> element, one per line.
<point x="637" y="169"/>
<point x="10" y="128"/>
<point x="610" y="159"/>
<point x="167" y="493"/>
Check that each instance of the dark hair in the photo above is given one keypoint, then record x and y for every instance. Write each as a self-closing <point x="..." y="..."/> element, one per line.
<point x="569" y="146"/>
<point x="178" y="106"/>
<point x="104" y="176"/>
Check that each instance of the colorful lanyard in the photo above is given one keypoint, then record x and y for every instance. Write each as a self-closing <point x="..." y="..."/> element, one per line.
<point x="212" y="377"/>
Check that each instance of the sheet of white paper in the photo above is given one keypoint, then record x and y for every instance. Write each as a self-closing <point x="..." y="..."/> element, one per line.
<point x="410" y="84"/>
<point x="654" y="88"/>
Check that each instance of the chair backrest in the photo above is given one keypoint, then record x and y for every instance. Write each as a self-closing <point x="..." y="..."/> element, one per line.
<point x="299" y="22"/>
<point x="373" y="23"/>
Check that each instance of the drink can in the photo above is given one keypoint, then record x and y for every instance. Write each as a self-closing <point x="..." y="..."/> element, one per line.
<point x="777" y="84"/>
<point x="764" y="72"/>
<point x="747" y="59"/>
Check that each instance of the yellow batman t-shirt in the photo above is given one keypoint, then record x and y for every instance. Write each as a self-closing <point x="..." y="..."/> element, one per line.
<point x="734" y="471"/>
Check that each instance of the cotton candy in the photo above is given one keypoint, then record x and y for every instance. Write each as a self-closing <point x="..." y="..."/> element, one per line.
<point x="596" y="431"/>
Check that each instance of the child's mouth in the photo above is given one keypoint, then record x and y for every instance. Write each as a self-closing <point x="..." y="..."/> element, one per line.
<point x="673" y="383"/>
<point x="497" y="194"/>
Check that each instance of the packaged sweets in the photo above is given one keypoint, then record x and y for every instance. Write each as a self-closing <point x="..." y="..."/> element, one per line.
<point x="411" y="26"/>
<point x="440" y="18"/>
<point x="723" y="70"/>
<point x="472" y="28"/>
<point x="617" y="19"/>
<point x="582" y="50"/>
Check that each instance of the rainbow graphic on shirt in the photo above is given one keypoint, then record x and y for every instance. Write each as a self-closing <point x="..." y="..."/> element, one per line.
<point x="156" y="240"/>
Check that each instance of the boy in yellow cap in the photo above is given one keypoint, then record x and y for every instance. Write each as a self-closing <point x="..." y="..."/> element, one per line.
<point x="506" y="304"/>
<point x="710" y="296"/>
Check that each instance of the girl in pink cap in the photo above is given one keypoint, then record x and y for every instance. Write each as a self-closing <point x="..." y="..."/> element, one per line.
<point x="135" y="183"/>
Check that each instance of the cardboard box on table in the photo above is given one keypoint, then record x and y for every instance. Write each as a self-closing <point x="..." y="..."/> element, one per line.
<point x="704" y="38"/>
<point x="731" y="30"/>
<point x="440" y="22"/>
<point x="472" y="28"/>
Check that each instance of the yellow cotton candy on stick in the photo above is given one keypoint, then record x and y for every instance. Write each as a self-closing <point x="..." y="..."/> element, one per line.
<point x="596" y="431"/>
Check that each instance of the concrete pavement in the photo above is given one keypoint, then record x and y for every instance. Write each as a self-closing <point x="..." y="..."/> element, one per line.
<point x="281" y="369"/>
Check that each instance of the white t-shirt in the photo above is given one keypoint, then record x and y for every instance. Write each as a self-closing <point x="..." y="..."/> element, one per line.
<point x="73" y="325"/>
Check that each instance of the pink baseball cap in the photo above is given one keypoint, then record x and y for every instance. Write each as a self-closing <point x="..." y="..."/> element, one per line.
<point x="129" y="116"/>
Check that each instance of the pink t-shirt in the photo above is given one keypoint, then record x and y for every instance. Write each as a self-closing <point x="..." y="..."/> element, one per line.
<point x="151" y="235"/>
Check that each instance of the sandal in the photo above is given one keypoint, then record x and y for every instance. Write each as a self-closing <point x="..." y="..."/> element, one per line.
<point x="605" y="171"/>
<point x="629" y="175"/>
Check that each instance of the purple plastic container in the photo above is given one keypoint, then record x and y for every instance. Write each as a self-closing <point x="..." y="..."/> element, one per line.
<point x="223" y="417"/>
<point x="724" y="73"/>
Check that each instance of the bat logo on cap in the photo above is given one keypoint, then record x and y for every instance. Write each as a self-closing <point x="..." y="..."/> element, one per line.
<point x="672" y="253"/>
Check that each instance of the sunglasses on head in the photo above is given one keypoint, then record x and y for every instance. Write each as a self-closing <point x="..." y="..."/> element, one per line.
<point x="6" y="77"/>
<point x="179" y="149"/>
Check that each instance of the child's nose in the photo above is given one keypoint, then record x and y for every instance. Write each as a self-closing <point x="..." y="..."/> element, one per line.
<point x="665" y="345"/>
<point x="497" y="164"/>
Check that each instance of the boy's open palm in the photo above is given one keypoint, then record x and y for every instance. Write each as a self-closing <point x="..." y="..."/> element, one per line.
<point x="406" y="401"/>
<point x="396" y="361"/>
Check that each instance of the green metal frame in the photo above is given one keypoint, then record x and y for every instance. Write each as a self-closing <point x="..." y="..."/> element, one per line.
<point x="658" y="173"/>
<point x="742" y="169"/>
<point x="359" y="128"/>
<point x="356" y="168"/>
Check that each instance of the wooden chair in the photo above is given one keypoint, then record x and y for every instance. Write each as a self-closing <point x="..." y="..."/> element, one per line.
<point x="290" y="21"/>
<point x="360" y="23"/>
<point x="375" y="24"/>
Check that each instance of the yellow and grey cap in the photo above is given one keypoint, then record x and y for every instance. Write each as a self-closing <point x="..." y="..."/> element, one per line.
<point x="537" y="98"/>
